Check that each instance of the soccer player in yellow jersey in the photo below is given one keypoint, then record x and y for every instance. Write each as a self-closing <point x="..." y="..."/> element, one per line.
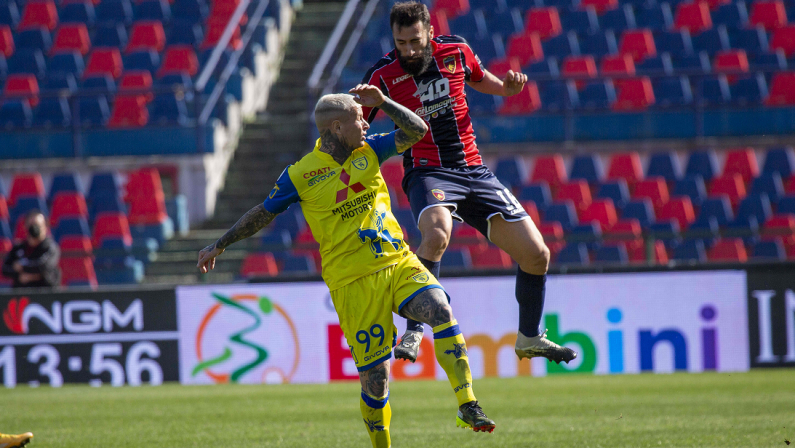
<point x="15" y="440"/>
<point x="367" y="265"/>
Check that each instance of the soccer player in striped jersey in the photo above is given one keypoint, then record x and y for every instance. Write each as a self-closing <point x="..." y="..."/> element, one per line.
<point x="445" y="178"/>
<point x="367" y="265"/>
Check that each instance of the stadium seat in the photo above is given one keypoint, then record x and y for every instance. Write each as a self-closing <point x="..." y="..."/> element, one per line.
<point x="25" y="184"/>
<point x="711" y="41"/>
<point x="579" y="67"/>
<point x="769" y="185"/>
<point x="104" y="61"/>
<point x="641" y="210"/>
<point x="657" y="16"/>
<point x="576" y="191"/>
<point x="24" y="87"/>
<point x="158" y="10"/>
<point x="78" y="12"/>
<point x="653" y="188"/>
<point x="598" y="43"/>
<point x="439" y="22"/>
<point x="782" y="224"/>
<point x="621" y="65"/>
<point x="77" y="271"/>
<point x="666" y="231"/>
<point x="259" y="265"/>
<point x="768" y="14"/>
<point x="588" y="233"/>
<point x="67" y="205"/>
<point x="129" y="111"/>
<point x="549" y="169"/>
<point x="499" y="67"/>
<point x="655" y="65"/>
<point x="597" y="95"/>
<point x="137" y="82"/>
<point x="782" y="89"/>
<point x="618" y="19"/>
<point x="624" y="230"/>
<point x="525" y="47"/>
<point x="511" y="171"/>
<point x="547" y="68"/>
<point x="707" y="231"/>
<point x="492" y="258"/>
<point x="557" y="96"/>
<point x="525" y="102"/>
<point x="615" y="190"/>
<point x="663" y="164"/>
<point x="702" y="163"/>
<point x="538" y="193"/>
<point x="718" y="208"/>
<point x="731" y="14"/>
<point x="625" y="166"/>
<point x="544" y="21"/>
<point x="213" y="32"/>
<point x="690" y="250"/>
<point x="679" y="210"/>
<point x="573" y="253"/>
<point x="638" y="43"/>
<point x="110" y="34"/>
<point x="634" y="94"/>
<point x="15" y="114"/>
<point x="743" y="162"/>
<point x="676" y="43"/>
<point x="298" y="264"/>
<point x="732" y="61"/>
<point x="146" y="36"/>
<point x="39" y="14"/>
<point x="109" y="225"/>
<point x="694" y="17"/>
<point x="601" y="211"/>
<point x="73" y="226"/>
<point x="562" y="45"/>
<point x="769" y="250"/>
<point x="148" y="60"/>
<point x="168" y="109"/>
<point x="114" y="12"/>
<point x="76" y="246"/>
<point x="692" y="187"/>
<point x="754" y="210"/>
<point x="768" y="62"/>
<point x="72" y="37"/>
<point x="3" y="208"/>
<point x="456" y="259"/>
<point x="563" y="213"/>
<point x="191" y="10"/>
<point x="179" y="59"/>
<point x="583" y="21"/>
<point x="9" y="14"/>
<point x="7" y="46"/>
<point x="731" y="185"/>
<point x="600" y="6"/>
<point x="531" y="210"/>
<point x="64" y="182"/>
<point x="34" y="39"/>
<point x="779" y="160"/>
<point x="728" y="249"/>
<point x="67" y="63"/>
<point x="749" y="91"/>
<point x="587" y="167"/>
<point x="753" y="41"/>
<point x="187" y="32"/>
<point x="637" y="252"/>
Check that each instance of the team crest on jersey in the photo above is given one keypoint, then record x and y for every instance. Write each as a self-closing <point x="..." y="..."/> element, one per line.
<point x="422" y="277"/>
<point x="449" y="64"/>
<point x="438" y="194"/>
<point x="360" y="163"/>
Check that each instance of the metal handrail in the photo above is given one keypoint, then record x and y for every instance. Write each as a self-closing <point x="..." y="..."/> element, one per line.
<point x="331" y="45"/>
<point x="353" y="41"/>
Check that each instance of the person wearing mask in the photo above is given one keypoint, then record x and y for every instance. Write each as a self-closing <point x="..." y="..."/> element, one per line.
<point x="34" y="261"/>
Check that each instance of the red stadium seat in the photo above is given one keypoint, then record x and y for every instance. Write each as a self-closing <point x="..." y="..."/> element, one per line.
<point x="784" y="39"/>
<point x="67" y="204"/>
<point x="553" y="236"/>
<point x="618" y="64"/>
<point x="679" y="209"/>
<point x="213" y="31"/>
<point x="654" y="188"/>
<point x="77" y="271"/>
<point x="19" y="229"/>
<point x="694" y="17"/>
<point x="579" y="67"/>
<point x="23" y="86"/>
<point x="525" y="102"/>
<point x="143" y="182"/>
<point x="743" y="162"/>
<point x="624" y="230"/>
<point x="224" y="9"/>
<point x="731" y="185"/>
<point x="6" y="41"/>
<point x="769" y="14"/>
<point x="782" y="89"/>
<point x="544" y="21"/>
<point x="111" y="225"/>
<point x="72" y="37"/>
<point x="259" y="265"/>
<point x="39" y="14"/>
<point x="392" y="172"/>
<point x="532" y="211"/>
<point x="75" y="246"/>
<point x="715" y="4"/>
<point x="5" y="246"/>
<point x="129" y="111"/>
<point x="104" y="61"/>
<point x="3" y="208"/>
<point x="179" y="59"/>
<point x="452" y="8"/>
<point x="439" y="22"/>
<point x="399" y="197"/>
<point x="138" y="81"/>
<point x="145" y="36"/>
<point x="789" y="247"/>
<point x="493" y="257"/>
<point x="146" y="210"/>
<point x="728" y="249"/>
<point x="637" y="252"/>
<point x="25" y="184"/>
<point x="634" y="94"/>
<point x="637" y="43"/>
<point x="577" y="191"/>
<point x="779" y="225"/>
<point x="602" y="211"/>
<point x="305" y="240"/>
<point x="732" y="61"/>
<point x="467" y="236"/>
<point x="625" y="166"/>
<point x="599" y="5"/>
<point x="499" y="67"/>
<point x="526" y="47"/>
<point x="549" y="169"/>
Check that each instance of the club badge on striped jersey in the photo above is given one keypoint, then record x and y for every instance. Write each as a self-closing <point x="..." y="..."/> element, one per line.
<point x="449" y="64"/>
<point x="438" y="194"/>
<point x="360" y="163"/>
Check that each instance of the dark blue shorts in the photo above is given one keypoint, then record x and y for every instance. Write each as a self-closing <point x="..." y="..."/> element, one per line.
<point x="473" y="193"/>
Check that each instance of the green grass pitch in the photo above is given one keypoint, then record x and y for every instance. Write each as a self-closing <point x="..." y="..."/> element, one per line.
<point x="755" y="409"/>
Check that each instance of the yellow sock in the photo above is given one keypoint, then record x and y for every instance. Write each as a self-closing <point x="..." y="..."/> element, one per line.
<point x="451" y="353"/>
<point x="377" y="414"/>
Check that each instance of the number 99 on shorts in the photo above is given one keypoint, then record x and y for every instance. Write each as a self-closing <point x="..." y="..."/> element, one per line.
<point x="372" y="341"/>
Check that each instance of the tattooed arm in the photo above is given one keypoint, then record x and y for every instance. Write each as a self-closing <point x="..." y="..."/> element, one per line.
<point x="249" y="224"/>
<point x="412" y="127"/>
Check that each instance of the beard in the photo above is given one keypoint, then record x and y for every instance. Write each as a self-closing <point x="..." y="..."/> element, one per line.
<point x="418" y="64"/>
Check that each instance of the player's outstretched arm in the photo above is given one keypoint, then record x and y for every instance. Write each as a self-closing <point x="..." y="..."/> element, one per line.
<point x="249" y="224"/>
<point x="412" y="128"/>
<point x="512" y="84"/>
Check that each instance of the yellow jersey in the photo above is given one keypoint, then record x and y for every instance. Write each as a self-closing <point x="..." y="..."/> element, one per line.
<point x="347" y="208"/>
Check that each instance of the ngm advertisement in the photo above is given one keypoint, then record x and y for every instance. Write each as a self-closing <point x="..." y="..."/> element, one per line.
<point x="618" y="323"/>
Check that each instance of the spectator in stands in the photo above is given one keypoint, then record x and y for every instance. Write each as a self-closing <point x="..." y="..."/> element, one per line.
<point x="34" y="261"/>
<point x="15" y="440"/>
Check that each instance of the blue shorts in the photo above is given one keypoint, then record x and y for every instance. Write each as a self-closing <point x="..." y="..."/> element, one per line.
<point x="472" y="193"/>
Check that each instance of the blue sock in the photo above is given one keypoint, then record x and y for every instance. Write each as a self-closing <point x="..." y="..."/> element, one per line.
<point x="530" y="295"/>
<point x="432" y="266"/>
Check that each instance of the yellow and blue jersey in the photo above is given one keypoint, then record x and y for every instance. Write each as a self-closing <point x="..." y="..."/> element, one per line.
<point x="347" y="208"/>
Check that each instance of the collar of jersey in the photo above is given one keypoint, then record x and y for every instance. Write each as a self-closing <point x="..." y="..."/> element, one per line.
<point x="327" y="157"/>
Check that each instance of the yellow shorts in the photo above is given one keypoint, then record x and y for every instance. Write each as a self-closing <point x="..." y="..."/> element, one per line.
<point x="365" y="308"/>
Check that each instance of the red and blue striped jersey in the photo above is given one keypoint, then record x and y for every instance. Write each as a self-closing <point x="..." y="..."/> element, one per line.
<point x="438" y="96"/>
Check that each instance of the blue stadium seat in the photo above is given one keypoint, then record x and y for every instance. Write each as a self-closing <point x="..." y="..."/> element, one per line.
<point x="618" y="20"/>
<point x="158" y="10"/>
<point x="481" y="103"/>
<point x="115" y="12"/>
<point x="5" y="230"/>
<point x="582" y="21"/>
<point x="611" y="254"/>
<point x="562" y="45"/>
<point x="71" y="226"/>
<point x="489" y="5"/>
<point x="711" y="41"/>
<point x="779" y="160"/>
<point x="588" y="233"/>
<point x="640" y="209"/>
<point x="756" y="207"/>
<point x="768" y="62"/>
<point x="690" y="250"/>
<point x="276" y="240"/>
<point x="677" y="43"/>
<point x="190" y="10"/>
<point x="617" y="190"/>
<point x="702" y="163"/>
<point x="104" y="201"/>
<point x="598" y="44"/>
<point x="483" y="46"/>
<point x="469" y="25"/>
<point x="538" y="193"/>
<point x="94" y="110"/>
<point x="406" y="220"/>
<point x="786" y="204"/>
<point x="27" y="61"/>
<point x="184" y="32"/>
<point x="65" y="82"/>
<point x="560" y="4"/>
<point x="767" y="250"/>
<point x="545" y="68"/>
<point x="587" y="167"/>
<point x="33" y="39"/>
<point x="597" y="95"/>
<point x="707" y="231"/>
<point x="733" y="15"/>
<point x="769" y="184"/>
<point x="655" y="65"/>
<point x="52" y="111"/>
<point x="298" y="264"/>
<point x="663" y="164"/>
<point x="753" y="41"/>
<point x="110" y="35"/>
<point x="694" y="63"/>
<point x="672" y="92"/>
<point x="692" y="187"/>
<point x="507" y="22"/>
<point x="142" y="60"/>
<point x="176" y="80"/>
<point x="291" y="220"/>
<point x="654" y="16"/>
<point x="557" y="96"/>
<point x="713" y="90"/>
<point x="15" y="114"/>
<point x="9" y="14"/>
<point x="562" y="212"/>
<point x="573" y="253"/>
<point x="63" y="63"/>
<point x="23" y="206"/>
<point x="456" y="259"/>
<point x="65" y="182"/>
<point x="82" y="12"/>
<point x="749" y="91"/>
<point x="665" y="231"/>
<point x="104" y="182"/>
<point x="511" y="171"/>
<point x="718" y="208"/>
<point x="168" y="109"/>
<point x="118" y="271"/>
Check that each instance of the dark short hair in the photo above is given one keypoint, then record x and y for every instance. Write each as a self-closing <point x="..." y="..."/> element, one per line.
<point x="405" y="14"/>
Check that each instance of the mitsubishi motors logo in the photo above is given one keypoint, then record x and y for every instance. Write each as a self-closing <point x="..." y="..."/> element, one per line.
<point x="345" y="178"/>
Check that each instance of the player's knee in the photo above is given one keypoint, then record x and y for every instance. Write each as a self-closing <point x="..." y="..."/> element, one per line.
<point x="536" y="261"/>
<point x="436" y="239"/>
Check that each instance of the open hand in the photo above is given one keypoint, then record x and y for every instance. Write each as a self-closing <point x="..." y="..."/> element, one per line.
<point x="207" y="258"/>
<point x="514" y="82"/>
<point x="367" y="95"/>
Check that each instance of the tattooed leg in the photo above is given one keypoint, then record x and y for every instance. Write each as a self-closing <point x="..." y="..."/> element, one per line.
<point x="374" y="404"/>
<point x="430" y="307"/>
<point x="375" y="381"/>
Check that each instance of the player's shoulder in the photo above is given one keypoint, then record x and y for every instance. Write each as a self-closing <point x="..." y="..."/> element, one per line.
<point x="450" y="40"/>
